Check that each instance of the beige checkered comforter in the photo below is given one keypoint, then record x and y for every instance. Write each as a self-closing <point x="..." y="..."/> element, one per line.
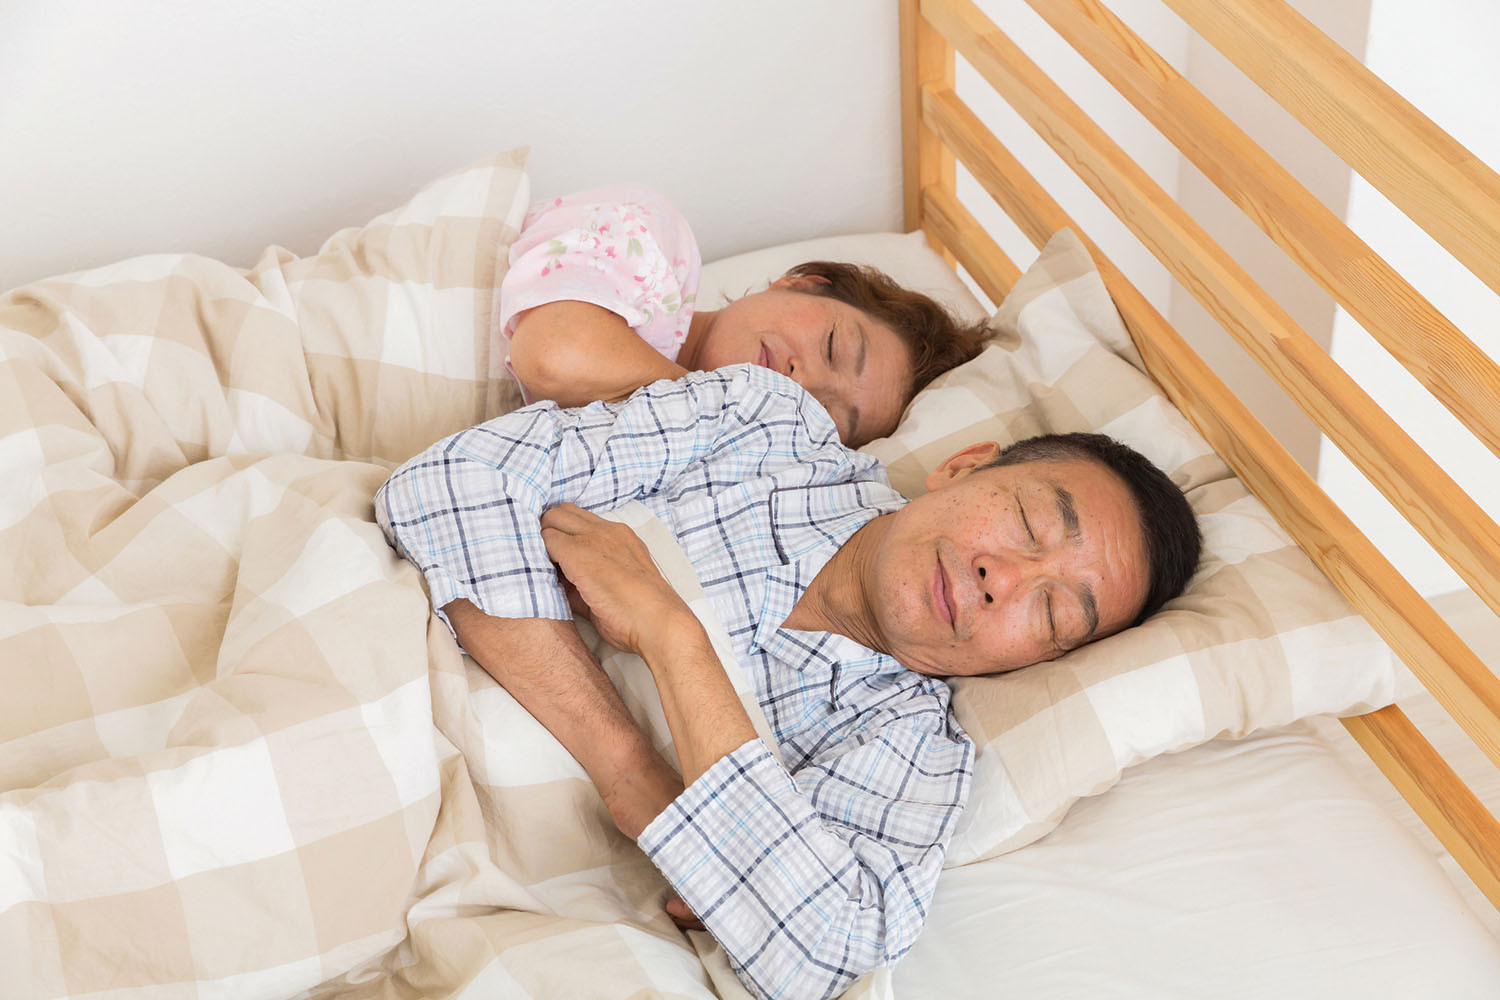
<point x="237" y="757"/>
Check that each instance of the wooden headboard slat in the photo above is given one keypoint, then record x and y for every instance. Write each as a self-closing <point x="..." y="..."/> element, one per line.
<point x="1436" y="793"/>
<point x="1415" y="484"/>
<point x="1437" y="656"/>
<point x="1460" y="682"/>
<point x="1427" y="174"/>
<point x="975" y="249"/>
<point x="997" y="171"/>
<point x="926" y="57"/>
<point x="1446" y="362"/>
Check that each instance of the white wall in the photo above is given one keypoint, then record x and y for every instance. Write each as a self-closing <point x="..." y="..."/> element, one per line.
<point x="221" y="126"/>
<point x="1324" y="175"/>
<point x="1105" y="106"/>
<point x="1440" y="54"/>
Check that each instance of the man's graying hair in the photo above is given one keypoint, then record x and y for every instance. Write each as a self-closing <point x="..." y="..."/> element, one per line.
<point x="1173" y="541"/>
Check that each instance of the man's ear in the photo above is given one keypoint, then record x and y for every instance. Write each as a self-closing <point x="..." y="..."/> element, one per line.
<point x="961" y="463"/>
<point x="812" y="283"/>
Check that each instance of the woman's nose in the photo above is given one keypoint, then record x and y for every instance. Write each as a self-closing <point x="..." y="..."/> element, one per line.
<point x="804" y="373"/>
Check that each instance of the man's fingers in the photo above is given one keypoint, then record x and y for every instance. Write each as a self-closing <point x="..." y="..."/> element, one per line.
<point x="571" y="518"/>
<point x="682" y="915"/>
<point x="575" y="599"/>
<point x="568" y="523"/>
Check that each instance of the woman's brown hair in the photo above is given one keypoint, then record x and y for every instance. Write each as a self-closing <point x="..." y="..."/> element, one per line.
<point x="936" y="339"/>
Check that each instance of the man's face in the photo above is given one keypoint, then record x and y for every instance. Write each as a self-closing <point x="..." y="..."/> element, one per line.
<point x="1003" y="567"/>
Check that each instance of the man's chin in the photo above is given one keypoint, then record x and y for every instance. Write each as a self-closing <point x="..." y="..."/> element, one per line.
<point x="926" y="669"/>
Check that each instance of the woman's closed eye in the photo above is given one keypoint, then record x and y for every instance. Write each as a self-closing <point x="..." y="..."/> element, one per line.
<point x="830" y="346"/>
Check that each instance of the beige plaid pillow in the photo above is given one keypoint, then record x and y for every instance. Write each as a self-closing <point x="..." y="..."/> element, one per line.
<point x="1260" y="637"/>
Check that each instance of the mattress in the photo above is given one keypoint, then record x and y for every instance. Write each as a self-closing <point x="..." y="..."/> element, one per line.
<point x="1476" y="625"/>
<point x="1259" y="868"/>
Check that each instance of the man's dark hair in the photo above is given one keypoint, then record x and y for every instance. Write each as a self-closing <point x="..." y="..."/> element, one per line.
<point x="1173" y="541"/>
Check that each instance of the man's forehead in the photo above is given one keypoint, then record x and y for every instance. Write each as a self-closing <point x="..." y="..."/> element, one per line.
<point x="1064" y="473"/>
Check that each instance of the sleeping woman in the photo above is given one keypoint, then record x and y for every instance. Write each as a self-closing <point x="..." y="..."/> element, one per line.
<point x="599" y="301"/>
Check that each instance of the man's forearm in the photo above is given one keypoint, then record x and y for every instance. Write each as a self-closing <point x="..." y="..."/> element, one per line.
<point x="546" y="667"/>
<point x="706" y="717"/>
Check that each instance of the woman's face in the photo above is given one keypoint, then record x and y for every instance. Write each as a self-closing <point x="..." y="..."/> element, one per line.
<point x="853" y="364"/>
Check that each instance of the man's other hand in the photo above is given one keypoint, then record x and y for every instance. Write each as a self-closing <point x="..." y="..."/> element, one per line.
<point x="683" y="917"/>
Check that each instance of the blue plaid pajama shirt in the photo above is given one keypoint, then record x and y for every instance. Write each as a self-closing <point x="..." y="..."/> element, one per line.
<point x="809" y="874"/>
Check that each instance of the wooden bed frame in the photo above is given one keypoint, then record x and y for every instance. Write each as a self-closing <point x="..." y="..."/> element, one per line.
<point x="1426" y="174"/>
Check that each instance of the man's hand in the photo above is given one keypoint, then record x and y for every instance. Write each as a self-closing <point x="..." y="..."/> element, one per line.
<point x="635" y="609"/>
<point x="547" y="668"/>
<point x="612" y="580"/>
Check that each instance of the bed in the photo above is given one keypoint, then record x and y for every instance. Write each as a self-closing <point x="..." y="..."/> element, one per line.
<point x="240" y="758"/>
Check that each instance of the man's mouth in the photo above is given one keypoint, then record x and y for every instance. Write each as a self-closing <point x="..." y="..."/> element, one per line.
<point x="942" y="595"/>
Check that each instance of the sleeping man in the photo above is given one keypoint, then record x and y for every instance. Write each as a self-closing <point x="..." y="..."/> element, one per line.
<point x="813" y="861"/>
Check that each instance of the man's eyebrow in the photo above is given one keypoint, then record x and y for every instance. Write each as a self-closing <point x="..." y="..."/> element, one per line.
<point x="1067" y="510"/>
<point x="1090" y="613"/>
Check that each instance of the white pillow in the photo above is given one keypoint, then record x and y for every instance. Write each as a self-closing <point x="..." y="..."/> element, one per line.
<point x="904" y="256"/>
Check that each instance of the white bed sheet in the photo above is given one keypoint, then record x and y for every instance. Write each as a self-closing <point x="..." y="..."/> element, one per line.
<point x="1477" y="626"/>
<point x="1240" y="869"/>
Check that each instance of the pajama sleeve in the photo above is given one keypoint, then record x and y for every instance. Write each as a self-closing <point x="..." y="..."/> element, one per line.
<point x="623" y="248"/>
<point x="811" y="879"/>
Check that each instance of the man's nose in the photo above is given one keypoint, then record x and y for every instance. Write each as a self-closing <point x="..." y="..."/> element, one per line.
<point x="1001" y="576"/>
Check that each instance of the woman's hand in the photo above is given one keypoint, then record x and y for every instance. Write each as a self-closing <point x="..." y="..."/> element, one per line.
<point x="612" y="579"/>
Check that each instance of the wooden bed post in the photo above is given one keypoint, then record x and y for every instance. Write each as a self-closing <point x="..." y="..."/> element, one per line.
<point x="926" y="163"/>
